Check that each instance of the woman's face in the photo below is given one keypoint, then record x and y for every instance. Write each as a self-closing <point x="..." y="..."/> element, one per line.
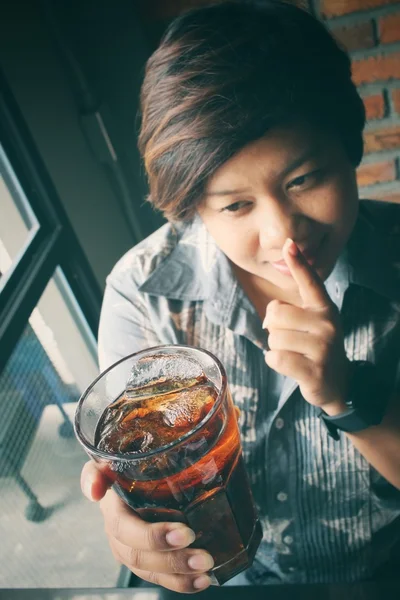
<point x="296" y="182"/>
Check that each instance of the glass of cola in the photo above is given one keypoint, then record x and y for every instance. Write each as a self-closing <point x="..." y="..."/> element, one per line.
<point x="162" y="426"/>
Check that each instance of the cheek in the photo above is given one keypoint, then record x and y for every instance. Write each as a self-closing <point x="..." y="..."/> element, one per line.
<point x="337" y="205"/>
<point x="238" y="243"/>
<point x="240" y="247"/>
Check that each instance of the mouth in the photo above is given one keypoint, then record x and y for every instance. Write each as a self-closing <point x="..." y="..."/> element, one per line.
<point x="311" y="254"/>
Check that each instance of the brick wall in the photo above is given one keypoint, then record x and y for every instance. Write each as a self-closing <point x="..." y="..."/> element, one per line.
<point x="370" y="30"/>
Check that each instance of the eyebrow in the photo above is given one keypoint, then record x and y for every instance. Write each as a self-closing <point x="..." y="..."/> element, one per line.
<point x="311" y="153"/>
<point x="227" y="192"/>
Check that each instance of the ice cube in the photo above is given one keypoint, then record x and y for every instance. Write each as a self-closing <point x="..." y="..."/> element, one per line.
<point x="166" y="396"/>
<point x="141" y="425"/>
<point x="187" y="407"/>
<point x="137" y="441"/>
<point x="162" y="373"/>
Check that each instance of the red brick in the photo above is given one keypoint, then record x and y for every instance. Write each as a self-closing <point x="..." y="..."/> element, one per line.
<point x="376" y="68"/>
<point x="356" y="37"/>
<point x="387" y="138"/>
<point x="374" y="106"/>
<point x="396" y="99"/>
<point x="389" y="28"/>
<point x="335" y="8"/>
<point x="376" y="173"/>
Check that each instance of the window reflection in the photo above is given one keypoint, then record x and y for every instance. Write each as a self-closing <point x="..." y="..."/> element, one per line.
<point x="18" y="223"/>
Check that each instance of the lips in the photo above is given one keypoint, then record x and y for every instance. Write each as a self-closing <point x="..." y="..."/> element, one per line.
<point x="279" y="263"/>
<point x="282" y="267"/>
<point x="309" y="253"/>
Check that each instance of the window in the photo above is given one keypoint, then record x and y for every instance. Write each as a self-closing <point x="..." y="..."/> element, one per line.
<point x="49" y="310"/>
<point x="54" y="534"/>
<point x="17" y="223"/>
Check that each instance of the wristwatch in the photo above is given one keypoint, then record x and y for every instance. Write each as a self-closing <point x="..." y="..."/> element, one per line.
<point x="367" y="401"/>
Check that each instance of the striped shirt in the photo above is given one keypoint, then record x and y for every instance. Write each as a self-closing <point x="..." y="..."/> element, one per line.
<point x="327" y="514"/>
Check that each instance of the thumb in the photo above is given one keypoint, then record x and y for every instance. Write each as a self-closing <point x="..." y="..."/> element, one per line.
<point x="94" y="483"/>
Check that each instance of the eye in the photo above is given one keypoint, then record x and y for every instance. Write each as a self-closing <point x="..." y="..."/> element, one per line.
<point x="236" y="206"/>
<point x="305" y="180"/>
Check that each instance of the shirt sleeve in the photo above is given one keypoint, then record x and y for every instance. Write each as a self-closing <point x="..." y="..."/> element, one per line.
<point x="125" y="326"/>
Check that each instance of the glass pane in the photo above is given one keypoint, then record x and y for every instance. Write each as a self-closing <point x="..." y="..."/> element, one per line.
<point x="51" y="536"/>
<point x="17" y="221"/>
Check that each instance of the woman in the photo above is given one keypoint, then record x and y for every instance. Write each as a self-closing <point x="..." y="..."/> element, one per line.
<point x="251" y="134"/>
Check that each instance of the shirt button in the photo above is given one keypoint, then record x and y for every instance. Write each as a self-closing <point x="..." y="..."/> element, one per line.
<point x="282" y="497"/>
<point x="288" y="540"/>
<point x="291" y="569"/>
<point x="279" y="423"/>
<point x="337" y="289"/>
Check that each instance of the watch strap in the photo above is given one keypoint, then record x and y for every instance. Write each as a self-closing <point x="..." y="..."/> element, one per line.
<point x="349" y="421"/>
<point x="368" y="398"/>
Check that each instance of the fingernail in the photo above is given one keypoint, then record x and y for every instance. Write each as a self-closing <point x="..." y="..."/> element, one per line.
<point x="291" y="246"/>
<point x="264" y="325"/>
<point x="87" y="488"/>
<point x="201" y="562"/>
<point x="181" y="536"/>
<point x="201" y="583"/>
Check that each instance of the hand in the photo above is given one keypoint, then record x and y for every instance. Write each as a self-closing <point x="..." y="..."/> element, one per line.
<point x="307" y="342"/>
<point x="156" y="552"/>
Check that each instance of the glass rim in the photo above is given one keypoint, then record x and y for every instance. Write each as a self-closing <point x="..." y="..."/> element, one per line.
<point x="132" y="457"/>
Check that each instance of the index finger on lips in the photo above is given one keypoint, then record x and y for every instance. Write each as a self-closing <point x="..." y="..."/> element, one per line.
<point x="127" y="527"/>
<point x="311" y="287"/>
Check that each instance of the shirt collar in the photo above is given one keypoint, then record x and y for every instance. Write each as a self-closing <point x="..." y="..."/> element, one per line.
<point x="196" y="269"/>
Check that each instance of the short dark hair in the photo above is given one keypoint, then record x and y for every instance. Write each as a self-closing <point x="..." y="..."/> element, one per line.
<point x="224" y="75"/>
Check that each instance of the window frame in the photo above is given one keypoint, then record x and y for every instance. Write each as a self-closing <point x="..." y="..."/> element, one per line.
<point x="53" y="244"/>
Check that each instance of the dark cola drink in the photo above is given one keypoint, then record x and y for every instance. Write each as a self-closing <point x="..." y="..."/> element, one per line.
<point x="171" y="445"/>
<point x="206" y="484"/>
<point x="155" y="415"/>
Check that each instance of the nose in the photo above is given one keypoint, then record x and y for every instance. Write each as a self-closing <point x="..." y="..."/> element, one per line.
<point x="277" y="222"/>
